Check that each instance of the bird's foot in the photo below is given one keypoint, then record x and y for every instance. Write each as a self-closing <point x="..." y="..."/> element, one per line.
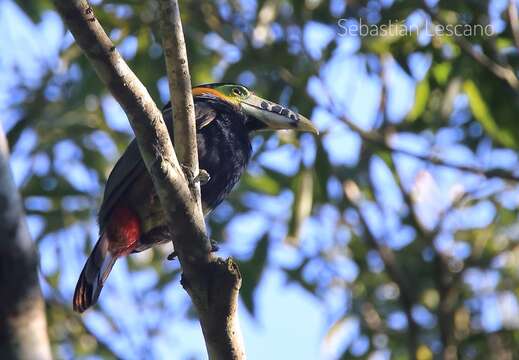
<point x="203" y="177"/>
<point x="214" y="248"/>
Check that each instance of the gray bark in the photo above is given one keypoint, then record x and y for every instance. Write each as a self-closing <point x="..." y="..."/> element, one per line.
<point x="212" y="283"/>
<point x="23" y="326"/>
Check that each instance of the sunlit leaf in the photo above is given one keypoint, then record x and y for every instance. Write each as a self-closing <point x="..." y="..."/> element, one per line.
<point x="302" y="207"/>
<point x="421" y="97"/>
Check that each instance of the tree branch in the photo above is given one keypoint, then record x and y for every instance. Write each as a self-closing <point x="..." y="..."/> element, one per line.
<point x="212" y="283"/>
<point x="23" y="326"/>
<point x="179" y="80"/>
<point x="381" y="141"/>
<point x="501" y="71"/>
<point x="395" y="273"/>
<point x="442" y="277"/>
<point x="177" y="67"/>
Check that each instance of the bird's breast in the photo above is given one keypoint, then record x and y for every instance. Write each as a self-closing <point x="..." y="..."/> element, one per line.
<point x="224" y="153"/>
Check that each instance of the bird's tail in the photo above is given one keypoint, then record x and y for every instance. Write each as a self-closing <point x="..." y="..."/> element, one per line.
<point x="93" y="276"/>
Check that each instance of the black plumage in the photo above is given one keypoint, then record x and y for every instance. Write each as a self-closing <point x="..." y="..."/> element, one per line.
<point x="131" y="218"/>
<point x="224" y="150"/>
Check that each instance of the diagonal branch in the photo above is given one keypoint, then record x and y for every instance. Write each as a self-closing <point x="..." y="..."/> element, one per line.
<point x="211" y="282"/>
<point x="146" y="120"/>
<point x="395" y="273"/>
<point x="500" y="71"/>
<point x="381" y="141"/>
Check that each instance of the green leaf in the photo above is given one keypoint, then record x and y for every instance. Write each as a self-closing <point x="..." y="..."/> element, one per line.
<point x="483" y="115"/>
<point x="421" y="97"/>
<point x="251" y="271"/>
<point x="441" y="72"/>
<point x="304" y="192"/>
<point x="34" y="9"/>
<point x="323" y="171"/>
<point x="262" y="183"/>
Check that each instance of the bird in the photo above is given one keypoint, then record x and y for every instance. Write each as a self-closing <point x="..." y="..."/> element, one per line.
<point x="131" y="218"/>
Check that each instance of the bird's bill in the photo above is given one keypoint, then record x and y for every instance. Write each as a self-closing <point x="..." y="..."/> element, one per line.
<point x="275" y="116"/>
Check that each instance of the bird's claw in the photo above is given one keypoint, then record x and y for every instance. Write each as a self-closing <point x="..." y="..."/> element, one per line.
<point x="203" y="177"/>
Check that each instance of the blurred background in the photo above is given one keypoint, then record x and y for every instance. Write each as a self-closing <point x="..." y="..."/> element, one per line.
<point x="393" y="234"/>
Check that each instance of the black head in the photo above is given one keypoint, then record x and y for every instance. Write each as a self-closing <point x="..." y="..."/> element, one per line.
<point x="260" y="114"/>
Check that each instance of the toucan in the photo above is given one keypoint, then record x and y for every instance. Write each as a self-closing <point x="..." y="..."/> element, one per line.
<point x="131" y="218"/>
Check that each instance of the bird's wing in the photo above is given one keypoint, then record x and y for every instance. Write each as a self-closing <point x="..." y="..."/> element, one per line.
<point x="126" y="170"/>
<point x="130" y="165"/>
<point x="203" y="112"/>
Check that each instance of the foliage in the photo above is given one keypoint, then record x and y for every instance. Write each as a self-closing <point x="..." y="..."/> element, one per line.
<point x="405" y="206"/>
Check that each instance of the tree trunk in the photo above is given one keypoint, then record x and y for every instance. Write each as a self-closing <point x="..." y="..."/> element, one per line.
<point x="23" y="326"/>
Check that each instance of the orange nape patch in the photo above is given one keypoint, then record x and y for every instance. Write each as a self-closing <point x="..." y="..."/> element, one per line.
<point x="123" y="231"/>
<point x="205" y="90"/>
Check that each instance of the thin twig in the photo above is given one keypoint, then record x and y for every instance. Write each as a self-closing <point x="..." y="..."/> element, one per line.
<point x="441" y="268"/>
<point x="395" y="273"/>
<point x="380" y="140"/>
<point x="501" y="71"/>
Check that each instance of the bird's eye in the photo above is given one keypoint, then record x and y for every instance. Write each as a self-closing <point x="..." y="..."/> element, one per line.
<point x="238" y="92"/>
